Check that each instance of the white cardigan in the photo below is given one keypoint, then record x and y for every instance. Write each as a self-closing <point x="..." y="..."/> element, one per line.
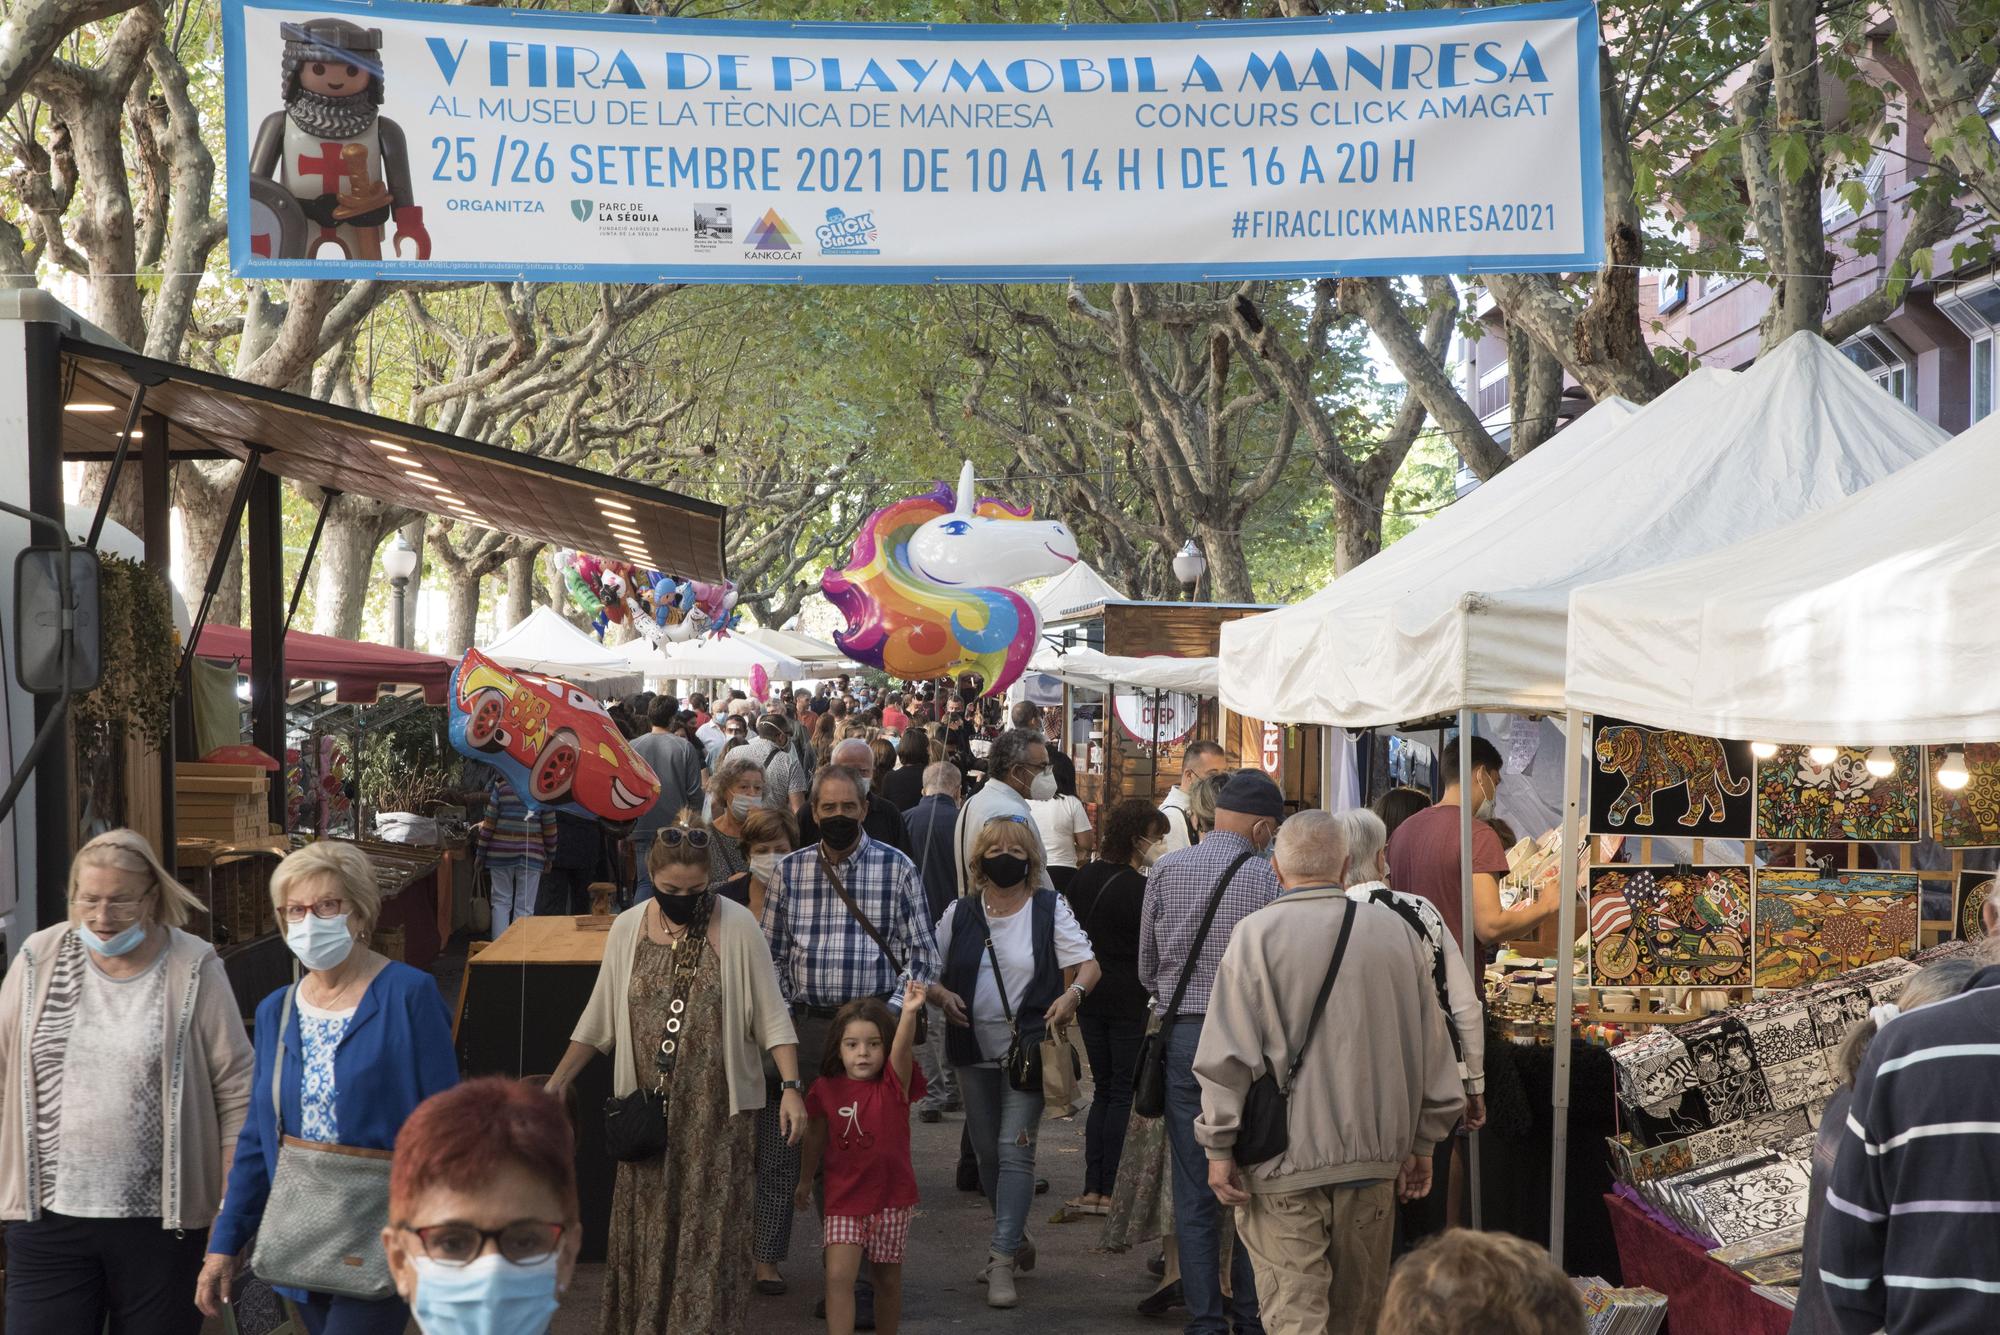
<point x="754" y="1015"/>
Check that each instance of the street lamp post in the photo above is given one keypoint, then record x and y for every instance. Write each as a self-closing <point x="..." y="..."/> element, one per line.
<point x="1189" y="566"/>
<point x="399" y="563"/>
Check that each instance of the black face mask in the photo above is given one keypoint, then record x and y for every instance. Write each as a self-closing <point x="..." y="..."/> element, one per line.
<point x="1004" y="870"/>
<point x="839" y="831"/>
<point x="680" y="910"/>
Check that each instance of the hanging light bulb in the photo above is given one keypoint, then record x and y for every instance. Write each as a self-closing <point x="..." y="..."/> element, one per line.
<point x="1953" y="775"/>
<point x="1763" y="750"/>
<point x="1881" y="763"/>
<point x="1823" y="755"/>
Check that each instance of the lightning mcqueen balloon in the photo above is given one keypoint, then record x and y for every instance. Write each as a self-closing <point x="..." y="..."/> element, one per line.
<point x="554" y="743"/>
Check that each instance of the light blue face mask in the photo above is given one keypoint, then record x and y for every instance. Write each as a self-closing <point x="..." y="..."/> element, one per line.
<point x="490" y="1296"/>
<point x="124" y="943"/>
<point x="321" y="943"/>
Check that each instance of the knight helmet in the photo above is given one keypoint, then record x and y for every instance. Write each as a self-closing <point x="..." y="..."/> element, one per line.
<point x="332" y="42"/>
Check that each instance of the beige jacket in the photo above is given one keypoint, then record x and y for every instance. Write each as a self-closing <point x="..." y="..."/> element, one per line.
<point x="205" y="1073"/>
<point x="1379" y="1082"/>
<point x="754" y="1015"/>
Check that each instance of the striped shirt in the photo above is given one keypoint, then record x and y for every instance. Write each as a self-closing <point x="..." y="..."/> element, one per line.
<point x="1911" y="1235"/>
<point x="823" y="956"/>
<point x="1177" y="895"/>
<point x="512" y="835"/>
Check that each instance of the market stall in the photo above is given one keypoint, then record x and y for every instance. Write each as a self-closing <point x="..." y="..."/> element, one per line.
<point x="714" y="658"/>
<point x="820" y="659"/>
<point x="544" y="643"/>
<point x="1472" y="617"/>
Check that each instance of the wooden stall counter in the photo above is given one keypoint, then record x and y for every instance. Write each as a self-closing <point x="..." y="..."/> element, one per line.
<point x="556" y="939"/>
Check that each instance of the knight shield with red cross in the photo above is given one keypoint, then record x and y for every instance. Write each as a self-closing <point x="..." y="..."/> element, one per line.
<point x="343" y="165"/>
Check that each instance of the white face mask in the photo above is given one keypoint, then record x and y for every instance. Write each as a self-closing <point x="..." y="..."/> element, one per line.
<point x="321" y="943"/>
<point x="1484" y="810"/>
<point x="1043" y="789"/>
<point x="764" y="866"/>
<point x="1150" y="854"/>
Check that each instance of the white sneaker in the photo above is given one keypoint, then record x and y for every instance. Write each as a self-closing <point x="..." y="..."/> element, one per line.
<point x="1000" y="1281"/>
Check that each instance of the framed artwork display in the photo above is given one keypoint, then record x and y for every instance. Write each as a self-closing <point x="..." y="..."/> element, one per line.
<point x="1800" y="799"/>
<point x="1967" y="817"/>
<point x="1657" y="781"/>
<point x="1977" y="908"/>
<point x="1670" y="926"/>
<point x="1810" y="925"/>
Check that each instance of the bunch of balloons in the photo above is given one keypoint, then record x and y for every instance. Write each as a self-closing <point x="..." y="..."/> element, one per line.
<point x="659" y="606"/>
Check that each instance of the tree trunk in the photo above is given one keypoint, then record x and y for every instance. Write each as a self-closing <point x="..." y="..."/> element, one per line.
<point x="461" y="613"/>
<point x="1376" y="303"/>
<point x="1228" y="568"/>
<point x="1358" y="526"/>
<point x="413" y="533"/>
<point x="347" y="566"/>
<point x="1950" y="83"/>
<point x="204" y="491"/>
<point x="520" y="589"/>
<point x="1534" y="392"/>
<point x="1799" y="300"/>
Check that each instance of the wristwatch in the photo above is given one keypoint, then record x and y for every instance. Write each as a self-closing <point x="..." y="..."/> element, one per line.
<point x="799" y="1085"/>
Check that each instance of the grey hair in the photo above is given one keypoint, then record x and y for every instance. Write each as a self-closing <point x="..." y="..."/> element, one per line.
<point x="1365" y="836"/>
<point x="1933" y="982"/>
<point x="728" y="773"/>
<point x="854" y="746"/>
<point x="1311" y="848"/>
<point x="834" y="774"/>
<point x="1010" y="750"/>
<point x="943" y="777"/>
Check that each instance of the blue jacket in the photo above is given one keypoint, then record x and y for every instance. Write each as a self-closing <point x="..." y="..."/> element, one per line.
<point x="932" y="824"/>
<point x="396" y="1053"/>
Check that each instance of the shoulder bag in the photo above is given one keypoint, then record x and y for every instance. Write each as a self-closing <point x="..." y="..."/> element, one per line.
<point x="1149" y="1082"/>
<point x="327" y="1237"/>
<point x="635" y="1125"/>
<point x="1023" y="1062"/>
<point x="875" y="935"/>
<point x="1263" y="1130"/>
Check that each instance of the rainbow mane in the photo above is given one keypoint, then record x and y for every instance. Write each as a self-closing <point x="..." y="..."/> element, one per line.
<point x="912" y="628"/>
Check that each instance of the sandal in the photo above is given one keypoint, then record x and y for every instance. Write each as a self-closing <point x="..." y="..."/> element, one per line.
<point x="1077" y="1205"/>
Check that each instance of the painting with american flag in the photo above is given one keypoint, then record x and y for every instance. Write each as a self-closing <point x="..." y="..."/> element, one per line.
<point x="1669" y="926"/>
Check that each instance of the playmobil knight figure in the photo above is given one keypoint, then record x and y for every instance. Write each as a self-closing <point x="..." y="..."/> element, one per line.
<point x="336" y="155"/>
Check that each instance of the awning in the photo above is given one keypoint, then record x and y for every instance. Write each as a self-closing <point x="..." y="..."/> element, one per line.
<point x="802" y="647"/>
<point x="1087" y="667"/>
<point x="729" y="658"/>
<point x="358" y="671"/>
<point x="360" y="454"/>
<point x="544" y="643"/>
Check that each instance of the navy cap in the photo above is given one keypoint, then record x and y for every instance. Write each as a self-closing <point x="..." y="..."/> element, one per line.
<point x="1252" y="793"/>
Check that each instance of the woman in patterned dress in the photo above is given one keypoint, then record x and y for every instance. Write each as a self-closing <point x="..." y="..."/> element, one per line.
<point x="119" y="1109"/>
<point x="691" y="967"/>
<point x="366" y="1039"/>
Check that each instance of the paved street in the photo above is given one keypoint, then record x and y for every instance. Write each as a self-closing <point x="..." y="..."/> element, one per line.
<point x="1075" y="1287"/>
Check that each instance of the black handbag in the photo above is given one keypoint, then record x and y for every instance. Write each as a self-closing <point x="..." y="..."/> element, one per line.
<point x="1023" y="1062"/>
<point x="1149" y="1081"/>
<point x="1263" y="1130"/>
<point x="635" y="1125"/>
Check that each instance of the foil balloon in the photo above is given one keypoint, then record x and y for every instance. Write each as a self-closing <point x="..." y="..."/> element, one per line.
<point x="926" y="588"/>
<point x="760" y="682"/>
<point x="555" y="744"/>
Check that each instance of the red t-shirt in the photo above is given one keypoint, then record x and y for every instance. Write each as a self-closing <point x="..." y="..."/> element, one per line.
<point x="1423" y="860"/>
<point x="893" y="717"/>
<point x="867" y="1159"/>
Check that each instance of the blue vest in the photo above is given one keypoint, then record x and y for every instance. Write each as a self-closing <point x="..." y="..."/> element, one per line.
<point x="968" y="954"/>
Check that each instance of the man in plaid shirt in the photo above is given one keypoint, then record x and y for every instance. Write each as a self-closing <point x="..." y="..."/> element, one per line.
<point x="1247" y="814"/>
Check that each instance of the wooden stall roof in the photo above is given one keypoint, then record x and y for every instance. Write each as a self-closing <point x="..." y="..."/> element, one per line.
<point x="361" y="454"/>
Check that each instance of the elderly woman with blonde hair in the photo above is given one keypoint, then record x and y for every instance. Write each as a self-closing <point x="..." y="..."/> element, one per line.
<point x="124" y="1075"/>
<point x="352" y="1048"/>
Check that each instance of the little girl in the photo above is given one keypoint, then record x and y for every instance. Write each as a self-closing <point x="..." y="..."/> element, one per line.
<point x="860" y="1131"/>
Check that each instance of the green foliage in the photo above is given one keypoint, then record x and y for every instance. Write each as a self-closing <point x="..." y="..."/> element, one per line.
<point x="141" y="654"/>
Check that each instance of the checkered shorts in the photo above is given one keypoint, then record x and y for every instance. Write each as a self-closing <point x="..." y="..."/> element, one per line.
<point x="881" y="1235"/>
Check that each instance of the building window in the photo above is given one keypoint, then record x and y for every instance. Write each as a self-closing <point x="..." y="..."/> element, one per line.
<point x="1982" y="377"/>
<point x="1884" y="361"/>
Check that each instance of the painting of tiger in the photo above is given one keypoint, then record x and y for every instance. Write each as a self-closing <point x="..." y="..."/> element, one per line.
<point x="1651" y="762"/>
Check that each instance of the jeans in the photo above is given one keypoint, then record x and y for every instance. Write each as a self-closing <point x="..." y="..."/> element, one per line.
<point x="941" y="1086"/>
<point x="66" y="1276"/>
<point x="1003" y="1123"/>
<point x="326" y="1315"/>
<point x="1113" y="1046"/>
<point x="1198" y="1217"/>
<point x="514" y="889"/>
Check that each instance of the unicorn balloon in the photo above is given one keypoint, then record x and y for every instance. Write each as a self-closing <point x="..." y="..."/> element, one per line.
<point x="926" y="589"/>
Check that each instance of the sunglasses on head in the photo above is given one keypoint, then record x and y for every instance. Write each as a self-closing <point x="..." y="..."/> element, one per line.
<point x="674" y="836"/>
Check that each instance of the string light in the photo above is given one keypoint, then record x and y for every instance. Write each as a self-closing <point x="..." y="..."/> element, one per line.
<point x="1953" y="775"/>
<point x="1763" y="750"/>
<point x="1881" y="762"/>
<point x="1823" y="755"/>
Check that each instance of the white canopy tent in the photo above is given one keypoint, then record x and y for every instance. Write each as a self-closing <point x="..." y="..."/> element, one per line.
<point x="1875" y="621"/>
<point x="727" y="658"/>
<point x="820" y="658"/>
<point x="1087" y="667"/>
<point x="543" y="642"/>
<point x="1076" y="590"/>
<point x="1477" y="619"/>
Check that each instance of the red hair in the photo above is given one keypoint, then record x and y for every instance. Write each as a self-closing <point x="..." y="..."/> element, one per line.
<point x="454" y="1139"/>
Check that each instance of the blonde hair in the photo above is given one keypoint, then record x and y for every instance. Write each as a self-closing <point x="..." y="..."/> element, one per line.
<point x="1488" y="1282"/>
<point x="991" y="833"/>
<point x="350" y="869"/>
<point x="128" y="851"/>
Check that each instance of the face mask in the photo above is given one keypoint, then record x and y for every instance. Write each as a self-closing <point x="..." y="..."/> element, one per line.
<point x="741" y="807"/>
<point x="679" y="909"/>
<point x="1043" y="788"/>
<point x="764" y="866"/>
<point x="1150" y="855"/>
<point x="321" y="943"/>
<point x="1004" y="869"/>
<point x="839" y="831"/>
<point x="1484" y="811"/>
<point x="122" y="944"/>
<point x="866" y="784"/>
<point x="490" y="1296"/>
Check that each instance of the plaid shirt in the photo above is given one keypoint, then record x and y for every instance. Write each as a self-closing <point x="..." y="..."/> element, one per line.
<point x="824" y="957"/>
<point x="1177" y="895"/>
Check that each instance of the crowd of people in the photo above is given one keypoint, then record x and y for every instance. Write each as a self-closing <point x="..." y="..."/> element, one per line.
<point x="829" y="933"/>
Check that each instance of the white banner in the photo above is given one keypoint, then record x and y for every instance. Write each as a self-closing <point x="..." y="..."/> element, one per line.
<point x="432" y="141"/>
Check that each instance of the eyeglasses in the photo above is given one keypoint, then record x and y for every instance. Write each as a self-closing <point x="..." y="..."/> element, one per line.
<point x="523" y="1242"/>
<point x="118" y="910"/>
<point x="325" y="908"/>
<point x="674" y="837"/>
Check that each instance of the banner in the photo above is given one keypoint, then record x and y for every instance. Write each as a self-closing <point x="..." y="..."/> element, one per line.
<point x="395" y="140"/>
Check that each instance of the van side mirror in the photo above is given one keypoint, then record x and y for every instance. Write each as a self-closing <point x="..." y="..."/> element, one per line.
<point x="39" y="621"/>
